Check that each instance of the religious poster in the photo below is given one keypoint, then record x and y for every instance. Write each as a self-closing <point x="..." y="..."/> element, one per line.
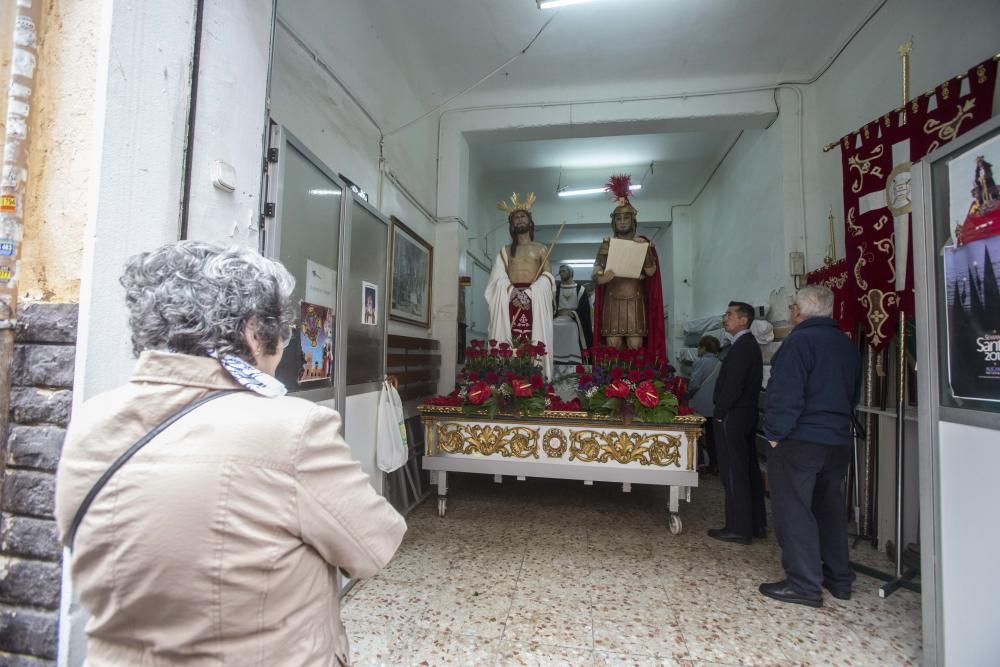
<point x="315" y="343"/>
<point x="972" y="293"/>
<point x="974" y="196"/>
<point x="369" y="303"/>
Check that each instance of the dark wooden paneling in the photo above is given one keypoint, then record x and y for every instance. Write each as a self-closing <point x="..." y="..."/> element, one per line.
<point x="405" y="360"/>
<point x="412" y="343"/>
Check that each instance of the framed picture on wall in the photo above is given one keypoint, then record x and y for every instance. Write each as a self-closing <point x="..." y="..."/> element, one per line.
<point x="409" y="276"/>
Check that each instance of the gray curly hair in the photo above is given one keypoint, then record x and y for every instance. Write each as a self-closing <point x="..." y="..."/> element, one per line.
<point x="196" y="298"/>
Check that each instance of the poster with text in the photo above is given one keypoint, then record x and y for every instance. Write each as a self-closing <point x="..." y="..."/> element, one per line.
<point x="315" y="343"/>
<point x="973" y="318"/>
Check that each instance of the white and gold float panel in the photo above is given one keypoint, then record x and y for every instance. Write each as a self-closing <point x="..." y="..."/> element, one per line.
<point x="563" y="445"/>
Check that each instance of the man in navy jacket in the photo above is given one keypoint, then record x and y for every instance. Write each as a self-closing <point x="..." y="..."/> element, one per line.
<point x="815" y="385"/>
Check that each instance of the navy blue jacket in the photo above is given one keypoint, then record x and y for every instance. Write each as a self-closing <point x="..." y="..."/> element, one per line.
<point x="815" y="384"/>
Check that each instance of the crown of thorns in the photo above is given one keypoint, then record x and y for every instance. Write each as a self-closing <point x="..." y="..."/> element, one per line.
<point x="516" y="204"/>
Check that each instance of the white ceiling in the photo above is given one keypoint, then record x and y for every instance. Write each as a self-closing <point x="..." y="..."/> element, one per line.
<point x="409" y="56"/>
<point x="600" y="152"/>
<point x="445" y="46"/>
<point x="681" y="162"/>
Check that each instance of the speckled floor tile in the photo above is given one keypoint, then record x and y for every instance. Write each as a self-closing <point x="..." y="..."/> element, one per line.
<point x="374" y="646"/>
<point x="444" y="649"/>
<point x="819" y="643"/>
<point x="550" y="625"/>
<point x="605" y="659"/>
<point x="536" y="654"/>
<point x="546" y="572"/>
<point x="730" y="639"/>
<point x="640" y="633"/>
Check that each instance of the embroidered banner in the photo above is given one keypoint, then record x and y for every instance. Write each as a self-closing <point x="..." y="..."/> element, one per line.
<point x="836" y="278"/>
<point x="877" y="162"/>
<point x="870" y="230"/>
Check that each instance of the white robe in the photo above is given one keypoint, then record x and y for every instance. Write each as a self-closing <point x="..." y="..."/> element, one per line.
<point x="567" y="332"/>
<point x="498" y="291"/>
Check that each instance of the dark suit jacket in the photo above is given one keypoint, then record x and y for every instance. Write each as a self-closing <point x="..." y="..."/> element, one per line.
<point x="738" y="384"/>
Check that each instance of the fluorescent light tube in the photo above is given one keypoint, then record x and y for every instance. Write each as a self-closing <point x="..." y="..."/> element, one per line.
<point x="592" y="191"/>
<point x="554" y="4"/>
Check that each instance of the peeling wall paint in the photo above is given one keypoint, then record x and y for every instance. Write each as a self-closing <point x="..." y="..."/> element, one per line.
<point x="60" y="162"/>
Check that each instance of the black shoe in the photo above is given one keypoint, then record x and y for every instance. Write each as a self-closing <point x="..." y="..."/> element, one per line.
<point x="724" y="535"/>
<point x="780" y="590"/>
<point x="760" y="533"/>
<point x="839" y="593"/>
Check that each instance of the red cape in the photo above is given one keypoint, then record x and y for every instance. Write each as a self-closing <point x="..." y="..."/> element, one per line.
<point x="656" y="337"/>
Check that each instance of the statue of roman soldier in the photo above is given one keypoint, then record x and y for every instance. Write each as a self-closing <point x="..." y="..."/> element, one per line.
<point x="629" y="311"/>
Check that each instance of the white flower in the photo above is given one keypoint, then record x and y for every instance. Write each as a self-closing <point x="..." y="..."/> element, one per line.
<point x="590" y="393"/>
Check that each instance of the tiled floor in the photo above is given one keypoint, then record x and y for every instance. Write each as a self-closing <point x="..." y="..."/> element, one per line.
<point x="545" y="572"/>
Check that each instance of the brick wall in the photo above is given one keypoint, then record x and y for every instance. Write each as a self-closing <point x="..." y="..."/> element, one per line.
<point x="30" y="554"/>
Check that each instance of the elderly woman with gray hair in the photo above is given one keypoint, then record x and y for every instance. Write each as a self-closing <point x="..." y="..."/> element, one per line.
<point x="218" y="541"/>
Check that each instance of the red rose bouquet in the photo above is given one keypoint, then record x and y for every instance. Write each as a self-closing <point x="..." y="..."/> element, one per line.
<point x="627" y="384"/>
<point x="502" y="378"/>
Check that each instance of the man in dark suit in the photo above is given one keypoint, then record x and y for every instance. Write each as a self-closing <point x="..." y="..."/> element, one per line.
<point x="815" y="384"/>
<point x="735" y="421"/>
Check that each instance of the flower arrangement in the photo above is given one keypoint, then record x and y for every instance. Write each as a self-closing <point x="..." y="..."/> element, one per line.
<point x="628" y="383"/>
<point x="506" y="378"/>
<point x="500" y="377"/>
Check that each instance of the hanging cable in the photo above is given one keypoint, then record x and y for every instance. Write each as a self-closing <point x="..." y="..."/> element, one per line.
<point x="482" y="80"/>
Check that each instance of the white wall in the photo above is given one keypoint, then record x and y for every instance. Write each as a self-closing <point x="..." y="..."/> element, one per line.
<point x="737" y="227"/>
<point x="310" y="104"/>
<point x="969" y="544"/>
<point x="140" y="121"/>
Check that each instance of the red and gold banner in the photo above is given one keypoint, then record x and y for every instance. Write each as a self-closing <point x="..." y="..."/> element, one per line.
<point x="877" y="161"/>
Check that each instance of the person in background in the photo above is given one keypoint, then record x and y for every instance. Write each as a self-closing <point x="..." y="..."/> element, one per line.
<point x="219" y="542"/>
<point x="737" y="390"/>
<point x="814" y="387"/>
<point x="704" y="373"/>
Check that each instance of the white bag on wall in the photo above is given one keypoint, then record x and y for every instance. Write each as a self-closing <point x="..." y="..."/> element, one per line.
<point x="392" y="450"/>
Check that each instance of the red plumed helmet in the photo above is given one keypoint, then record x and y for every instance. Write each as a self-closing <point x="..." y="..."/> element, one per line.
<point x="619" y="188"/>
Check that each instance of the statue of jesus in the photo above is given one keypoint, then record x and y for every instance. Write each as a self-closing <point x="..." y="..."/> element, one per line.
<point x="521" y="284"/>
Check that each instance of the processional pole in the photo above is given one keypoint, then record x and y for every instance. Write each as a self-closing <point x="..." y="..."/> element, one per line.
<point x="901" y="578"/>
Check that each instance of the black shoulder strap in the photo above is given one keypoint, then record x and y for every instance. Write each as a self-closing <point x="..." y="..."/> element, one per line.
<point x="130" y="452"/>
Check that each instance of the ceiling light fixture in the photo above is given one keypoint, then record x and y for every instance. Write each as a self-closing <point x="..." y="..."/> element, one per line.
<point x="555" y="4"/>
<point x="592" y="191"/>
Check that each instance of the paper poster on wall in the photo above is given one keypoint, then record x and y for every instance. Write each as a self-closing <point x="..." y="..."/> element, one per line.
<point x="315" y="343"/>
<point x="320" y="284"/>
<point x="369" y="303"/>
<point x="973" y="317"/>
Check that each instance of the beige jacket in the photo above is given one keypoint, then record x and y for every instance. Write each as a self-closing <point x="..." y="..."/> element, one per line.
<point x="218" y="542"/>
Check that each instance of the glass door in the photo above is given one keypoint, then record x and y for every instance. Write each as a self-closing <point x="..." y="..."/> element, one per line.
<point x="303" y="220"/>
